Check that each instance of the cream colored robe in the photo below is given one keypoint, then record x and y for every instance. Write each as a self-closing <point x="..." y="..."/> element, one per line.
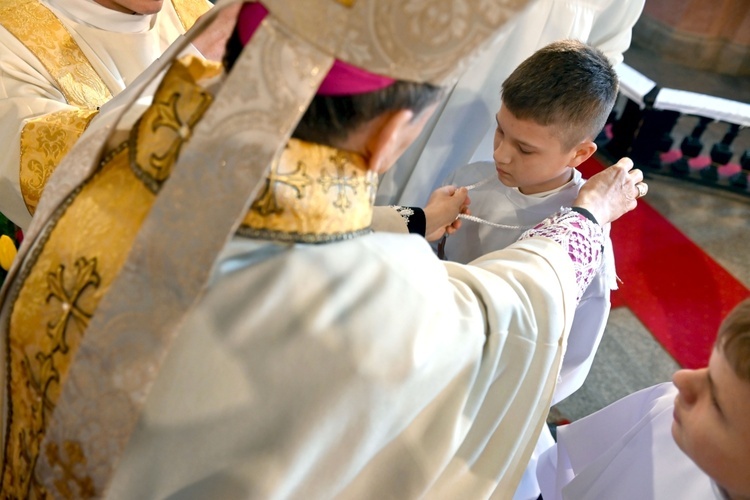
<point x="119" y="47"/>
<point x="360" y="369"/>
<point x="365" y="368"/>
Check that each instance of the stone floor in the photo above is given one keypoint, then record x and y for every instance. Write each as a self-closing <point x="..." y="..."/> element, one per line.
<point x="718" y="221"/>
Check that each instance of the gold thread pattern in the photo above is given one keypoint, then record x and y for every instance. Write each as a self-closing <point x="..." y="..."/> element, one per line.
<point x="44" y="142"/>
<point x="65" y="282"/>
<point x="267" y="204"/>
<point x="340" y="181"/>
<point x="40" y="370"/>
<point x="35" y="25"/>
<point x="168" y="124"/>
<point x="188" y="11"/>
<point x="266" y="112"/>
<point x="313" y="194"/>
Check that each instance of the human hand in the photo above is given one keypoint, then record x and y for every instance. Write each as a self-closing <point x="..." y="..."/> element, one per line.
<point x="612" y="192"/>
<point x="213" y="40"/>
<point x="442" y="209"/>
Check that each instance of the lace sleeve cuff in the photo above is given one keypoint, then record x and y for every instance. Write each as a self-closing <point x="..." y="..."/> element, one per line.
<point x="582" y="238"/>
<point x="414" y="218"/>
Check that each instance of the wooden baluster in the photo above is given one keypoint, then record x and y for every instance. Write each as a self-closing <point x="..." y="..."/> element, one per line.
<point x="691" y="147"/>
<point x="721" y="153"/>
<point x="654" y="137"/>
<point x="739" y="180"/>
<point x="624" y="129"/>
<point x="627" y="127"/>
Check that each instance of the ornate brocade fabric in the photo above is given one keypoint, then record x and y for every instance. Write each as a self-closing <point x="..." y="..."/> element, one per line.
<point x="313" y="194"/>
<point x="63" y="59"/>
<point x="189" y="11"/>
<point x="46" y="139"/>
<point x="73" y="269"/>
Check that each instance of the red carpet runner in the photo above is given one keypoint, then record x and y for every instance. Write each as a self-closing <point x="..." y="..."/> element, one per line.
<point x="675" y="289"/>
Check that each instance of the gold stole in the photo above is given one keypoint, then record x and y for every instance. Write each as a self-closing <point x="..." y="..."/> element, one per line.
<point x="313" y="194"/>
<point x="46" y="139"/>
<point x="80" y="257"/>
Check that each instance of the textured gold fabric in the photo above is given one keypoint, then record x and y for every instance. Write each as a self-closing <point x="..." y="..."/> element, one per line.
<point x="35" y="26"/>
<point x="71" y="273"/>
<point x="168" y="125"/>
<point x="189" y="11"/>
<point x="313" y="194"/>
<point x="44" y="141"/>
<point x="55" y="304"/>
<point x="247" y="126"/>
<point x="222" y="168"/>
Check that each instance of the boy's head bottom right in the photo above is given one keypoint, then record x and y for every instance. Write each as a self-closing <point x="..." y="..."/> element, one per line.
<point x="711" y="423"/>
<point x="554" y="104"/>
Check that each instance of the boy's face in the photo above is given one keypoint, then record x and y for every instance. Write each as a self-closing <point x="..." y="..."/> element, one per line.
<point x="530" y="156"/>
<point x="712" y="422"/>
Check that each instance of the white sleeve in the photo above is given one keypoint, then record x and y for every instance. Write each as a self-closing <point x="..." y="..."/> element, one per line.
<point x="26" y="93"/>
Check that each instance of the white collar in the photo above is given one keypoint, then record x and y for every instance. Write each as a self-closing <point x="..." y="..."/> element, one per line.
<point x="573" y="180"/>
<point x="90" y="13"/>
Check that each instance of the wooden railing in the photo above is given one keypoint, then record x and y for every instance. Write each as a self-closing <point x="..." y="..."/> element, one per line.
<point x="643" y="127"/>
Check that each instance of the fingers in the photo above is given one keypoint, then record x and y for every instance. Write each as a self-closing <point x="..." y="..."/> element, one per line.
<point x="634" y="176"/>
<point x="449" y="190"/>
<point x="452" y="228"/>
<point x="612" y="192"/>
<point x="624" y="163"/>
<point x="642" y="188"/>
<point x="463" y="194"/>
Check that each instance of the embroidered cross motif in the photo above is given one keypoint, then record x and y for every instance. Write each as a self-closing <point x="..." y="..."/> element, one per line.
<point x="339" y="181"/>
<point x="41" y="373"/>
<point x="347" y="3"/>
<point x="298" y="180"/>
<point x="84" y="486"/>
<point x="85" y="275"/>
<point x="168" y="117"/>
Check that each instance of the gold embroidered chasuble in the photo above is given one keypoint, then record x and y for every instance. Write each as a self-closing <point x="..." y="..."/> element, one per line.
<point x="312" y="194"/>
<point x="72" y="272"/>
<point x="47" y="138"/>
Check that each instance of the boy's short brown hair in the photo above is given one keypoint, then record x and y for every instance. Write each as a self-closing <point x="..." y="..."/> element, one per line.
<point x="733" y="339"/>
<point x="566" y="84"/>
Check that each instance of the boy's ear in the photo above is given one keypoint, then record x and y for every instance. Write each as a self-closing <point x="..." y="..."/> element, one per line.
<point x="582" y="152"/>
<point x="385" y="142"/>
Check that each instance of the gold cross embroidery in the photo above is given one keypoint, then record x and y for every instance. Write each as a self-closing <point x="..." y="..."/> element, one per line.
<point x="85" y="275"/>
<point x="347" y="3"/>
<point x="298" y="180"/>
<point x="168" y="117"/>
<point x="339" y="181"/>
